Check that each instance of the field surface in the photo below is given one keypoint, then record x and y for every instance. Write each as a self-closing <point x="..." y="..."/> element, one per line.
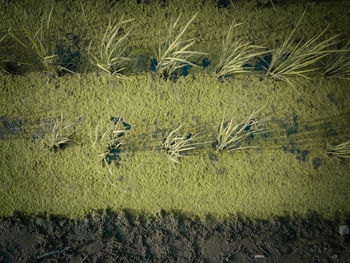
<point x="287" y="172"/>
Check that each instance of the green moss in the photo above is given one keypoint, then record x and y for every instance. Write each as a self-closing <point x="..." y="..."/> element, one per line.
<point x="282" y="176"/>
<point x="258" y="183"/>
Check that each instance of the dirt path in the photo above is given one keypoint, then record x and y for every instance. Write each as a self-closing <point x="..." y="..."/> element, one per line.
<point x="110" y="237"/>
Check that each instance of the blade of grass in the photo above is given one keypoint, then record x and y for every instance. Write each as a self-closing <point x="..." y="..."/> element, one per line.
<point x="338" y="64"/>
<point x="236" y="54"/>
<point x="232" y="135"/>
<point x="341" y="150"/>
<point x="291" y="60"/>
<point x="174" y="51"/>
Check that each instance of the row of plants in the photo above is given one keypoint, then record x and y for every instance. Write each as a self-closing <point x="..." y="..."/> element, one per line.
<point x="108" y="52"/>
<point x="107" y="138"/>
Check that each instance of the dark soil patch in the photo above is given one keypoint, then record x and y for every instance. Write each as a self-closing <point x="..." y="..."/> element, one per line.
<point x="111" y="237"/>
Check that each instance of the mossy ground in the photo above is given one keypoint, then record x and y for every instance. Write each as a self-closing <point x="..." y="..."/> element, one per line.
<point x="289" y="173"/>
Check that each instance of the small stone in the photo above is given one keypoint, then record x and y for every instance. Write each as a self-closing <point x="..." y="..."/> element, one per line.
<point x="259" y="256"/>
<point x="344" y="230"/>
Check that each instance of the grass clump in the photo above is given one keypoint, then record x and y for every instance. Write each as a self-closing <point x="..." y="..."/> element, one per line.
<point x="59" y="136"/>
<point x="173" y="53"/>
<point x="292" y="60"/>
<point x="232" y="134"/>
<point x="175" y="145"/>
<point x="235" y="54"/>
<point x="43" y="44"/>
<point x="2" y="64"/>
<point x="338" y="64"/>
<point x="106" y="142"/>
<point x="106" y="139"/>
<point x="341" y="150"/>
<point x="109" y="53"/>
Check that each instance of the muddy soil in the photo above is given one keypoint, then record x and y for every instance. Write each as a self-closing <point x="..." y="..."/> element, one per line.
<point x="123" y="237"/>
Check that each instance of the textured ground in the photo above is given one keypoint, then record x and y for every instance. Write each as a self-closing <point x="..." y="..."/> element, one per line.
<point x="109" y="237"/>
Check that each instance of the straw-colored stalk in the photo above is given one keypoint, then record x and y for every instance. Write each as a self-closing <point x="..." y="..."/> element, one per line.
<point x="175" y="145"/>
<point x="42" y="45"/>
<point x="341" y="150"/>
<point x="2" y="65"/>
<point x="59" y="135"/>
<point x="235" y="54"/>
<point x="338" y="64"/>
<point x="173" y="53"/>
<point x="111" y="49"/>
<point x="107" y="136"/>
<point x="232" y="134"/>
<point x="291" y="60"/>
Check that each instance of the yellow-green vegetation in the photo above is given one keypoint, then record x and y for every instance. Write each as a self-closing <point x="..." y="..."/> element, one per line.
<point x="338" y="64"/>
<point x="296" y="59"/>
<point x="288" y="171"/>
<point x="175" y="144"/>
<point x="341" y="150"/>
<point x="235" y="54"/>
<point x="2" y="65"/>
<point x="173" y="53"/>
<point x="260" y="182"/>
<point x="59" y="136"/>
<point x="233" y="134"/>
<point x="42" y="43"/>
<point x="111" y="48"/>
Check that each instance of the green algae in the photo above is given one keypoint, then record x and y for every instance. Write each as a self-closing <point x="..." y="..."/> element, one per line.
<point x="262" y="182"/>
<point x="289" y="173"/>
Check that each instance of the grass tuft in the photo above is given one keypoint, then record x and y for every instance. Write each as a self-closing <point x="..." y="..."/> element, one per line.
<point x="235" y="54"/>
<point x="341" y="150"/>
<point x="59" y="136"/>
<point x="173" y="53"/>
<point x="338" y="64"/>
<point x="175" y="145"/>
<point x="107" y="137"/>
<point x="2" y="64"/>
<point x="43" y="45"/>
<point x="106" y="141"/>
<point x="108" y="55"/>
<point x="232" y="135"/>
<point x="291" y="60"/>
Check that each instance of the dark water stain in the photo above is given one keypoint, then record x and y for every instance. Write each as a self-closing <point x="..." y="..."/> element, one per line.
<point x="263" y="63"/>
<point x="221" y="170"/>
<point x="290" y="127"/>
<point x="13" y="127"/>
<point x="293" y="148"/>
<point x="316" y="162"/>
<point x="40" y="131"/>
<point x="142" y="63"/>
<point x="182" y="71"/>
<point x="14" y="68"/>
<point x="330" y="96"/>
<point x="223" y="3"/>
<point x="114" y="151"/>
<point x="69" y="56"/>
<point x="302" y="154"/>
<point x="156" y="133"/>
<point x="328" y="130"/>
<point x="213" y="156"/>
